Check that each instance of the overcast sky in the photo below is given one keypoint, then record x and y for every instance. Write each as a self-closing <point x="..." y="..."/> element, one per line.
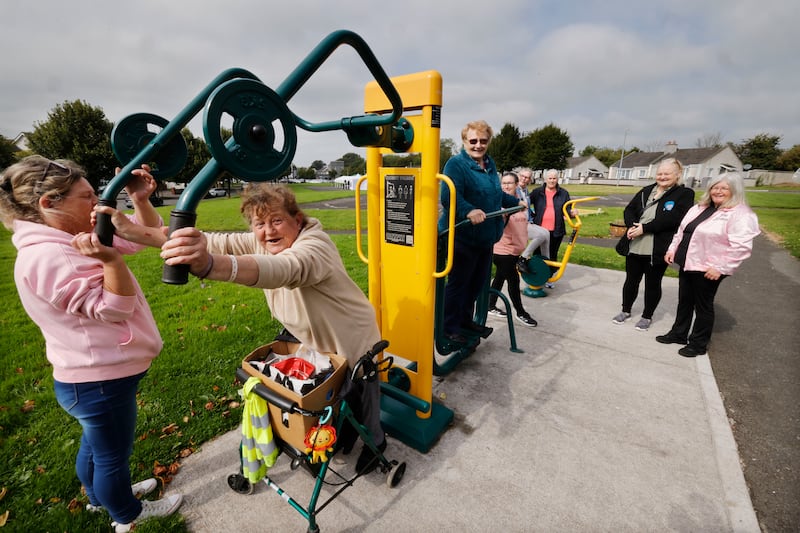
<point x="606" y="72"/>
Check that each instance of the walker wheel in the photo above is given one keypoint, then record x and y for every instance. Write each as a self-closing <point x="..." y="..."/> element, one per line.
<point x="296" y="463"/>
<point x="240" y="484"/>
<point x="396" y="475"/>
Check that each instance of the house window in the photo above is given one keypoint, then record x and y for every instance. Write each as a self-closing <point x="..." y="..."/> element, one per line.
<point x="641" y="173"/>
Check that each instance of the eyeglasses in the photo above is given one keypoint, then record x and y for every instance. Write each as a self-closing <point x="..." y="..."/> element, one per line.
<point x="50" y="164"/>
<point x="476" y="141"/>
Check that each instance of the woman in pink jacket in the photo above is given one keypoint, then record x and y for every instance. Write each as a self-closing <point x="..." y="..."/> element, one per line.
<point x="506" y="253"/>
<point x="100" y="336"/>
<point x="714" y="237"/>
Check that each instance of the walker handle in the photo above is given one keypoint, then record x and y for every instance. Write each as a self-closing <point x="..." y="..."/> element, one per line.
<point x="270" y="395"/>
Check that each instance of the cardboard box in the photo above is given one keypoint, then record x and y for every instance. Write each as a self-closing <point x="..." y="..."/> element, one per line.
<point x="293" y="427"/>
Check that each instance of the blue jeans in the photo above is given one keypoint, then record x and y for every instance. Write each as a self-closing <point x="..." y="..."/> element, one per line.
<point x="106" y="411"/>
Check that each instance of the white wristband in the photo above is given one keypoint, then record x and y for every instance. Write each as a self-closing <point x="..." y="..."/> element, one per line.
<point x="234" y="268"/>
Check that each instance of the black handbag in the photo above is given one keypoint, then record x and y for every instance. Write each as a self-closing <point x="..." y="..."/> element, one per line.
<point x="623" y="246"/>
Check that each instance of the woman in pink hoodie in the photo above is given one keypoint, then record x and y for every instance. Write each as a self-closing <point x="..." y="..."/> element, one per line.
<point x="506" y="254"/>
<point x="713" y="239"/>
<point x="100" y="336"/>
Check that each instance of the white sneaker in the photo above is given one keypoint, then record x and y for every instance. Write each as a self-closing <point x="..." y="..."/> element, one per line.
<point x="140" y="489"/>
<point x="163" y="507"/>
<point x="143" y="488"/>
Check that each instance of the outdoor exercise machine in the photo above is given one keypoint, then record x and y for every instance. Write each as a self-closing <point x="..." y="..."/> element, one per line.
<point x="264" y="137"/>
<point x="408" y="261"/>
<point x="539" y="269"/>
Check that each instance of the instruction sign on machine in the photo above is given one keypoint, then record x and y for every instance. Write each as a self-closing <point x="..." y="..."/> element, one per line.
<point x="399" y="219"/>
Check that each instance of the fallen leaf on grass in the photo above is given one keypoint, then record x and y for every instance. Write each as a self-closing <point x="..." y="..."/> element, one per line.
<point x="3" y="493"/>
<point x="159" y="469"/>
<point x="172" y="428"/>
<point x="4" y="518"/>
<point x="28" y="406"/>
<point x="75" y="506"/>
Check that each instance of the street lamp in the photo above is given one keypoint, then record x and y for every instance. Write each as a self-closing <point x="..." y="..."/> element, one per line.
<point x="622" y="155"/>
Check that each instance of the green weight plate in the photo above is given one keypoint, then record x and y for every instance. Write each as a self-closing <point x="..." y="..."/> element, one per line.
<point x="133" y="133"/>
<point x="255" y="110"/>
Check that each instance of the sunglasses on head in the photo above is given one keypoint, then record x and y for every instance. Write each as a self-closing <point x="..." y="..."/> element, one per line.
<point x="51" y="164"/>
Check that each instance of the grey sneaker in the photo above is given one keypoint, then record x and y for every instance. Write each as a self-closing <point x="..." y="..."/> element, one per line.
<point x="163" y="507"/>
<point x="140" y="489"/>
<point x="643" y="324"/>
<point x="621" y="318"/>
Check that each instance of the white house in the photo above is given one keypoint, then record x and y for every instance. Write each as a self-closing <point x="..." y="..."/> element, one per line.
<point x="583" y="167"/>
<point x="699" y="164"/>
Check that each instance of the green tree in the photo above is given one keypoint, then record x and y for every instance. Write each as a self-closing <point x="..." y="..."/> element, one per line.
<point x="790" y="159"/>
<point x="760" y="151"/>
<point x="317" y="165"/>
<point x="506" y="147"/>
<point x="353" y="164"/>
<point x="306" y="173"/>
<point x="7" y="152"/>
<point x="80" y="132"/>
<point x="402" y="161"/>
<point x="447" y="149"/>
<point x="547" y="147"/>
<point x="589" y="150"/>
<point x="197" y="157"/>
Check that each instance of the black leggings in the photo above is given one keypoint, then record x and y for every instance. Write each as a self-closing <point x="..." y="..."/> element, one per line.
<point x="636" y="267"/>
<point x="506" y="271"/>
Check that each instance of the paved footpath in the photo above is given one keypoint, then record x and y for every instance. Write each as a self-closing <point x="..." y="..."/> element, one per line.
<point x="595" y="427"/>
<point x="755" y="358"/>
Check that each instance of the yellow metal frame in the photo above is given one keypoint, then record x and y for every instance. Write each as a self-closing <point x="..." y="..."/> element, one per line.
<point x="402" y="276"/>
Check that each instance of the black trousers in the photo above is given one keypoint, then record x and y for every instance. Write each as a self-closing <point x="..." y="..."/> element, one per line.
<point x="555" y="244"/>
<point x="467" y="278"/>
<point x="695" y="297"/>
<point x="506" y="271"/>
<point x="637" y="267"/>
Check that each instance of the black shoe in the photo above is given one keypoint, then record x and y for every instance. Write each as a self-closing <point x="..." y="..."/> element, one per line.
<point x="527" y="320"/>
<point x="496" y="312"/>
<point x="691" y="351"/>
<point x="669" y="338"/>
<point x="455" y="338"/>
<point x="482" y="331"/>
<point x="367" y="460"/>
<point x="522" y="265"/>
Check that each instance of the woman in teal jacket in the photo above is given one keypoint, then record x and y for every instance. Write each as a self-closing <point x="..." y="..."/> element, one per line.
<point x="478" y="192"/>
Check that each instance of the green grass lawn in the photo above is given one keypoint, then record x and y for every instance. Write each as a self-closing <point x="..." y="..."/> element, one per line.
<point x="189" y="394"/>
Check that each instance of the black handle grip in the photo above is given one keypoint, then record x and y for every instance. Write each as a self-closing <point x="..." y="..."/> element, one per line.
<point x="178" y="274"/>
<point x="103" y="226"/>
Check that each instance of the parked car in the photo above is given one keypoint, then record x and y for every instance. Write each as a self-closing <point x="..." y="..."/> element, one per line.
<point x="216" y="192"/>
<point x="157" y="201"/>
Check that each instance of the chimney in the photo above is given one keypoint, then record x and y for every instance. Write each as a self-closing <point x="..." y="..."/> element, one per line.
<point x="671" y="147"/>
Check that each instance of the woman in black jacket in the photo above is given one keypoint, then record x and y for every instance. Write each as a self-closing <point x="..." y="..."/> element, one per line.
<point x="652" y="218"/>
